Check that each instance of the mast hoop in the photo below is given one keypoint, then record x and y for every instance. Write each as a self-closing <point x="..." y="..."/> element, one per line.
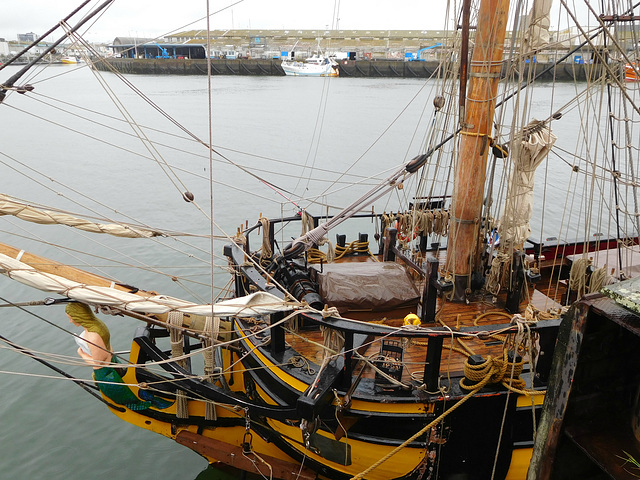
<point x="486" y="63"/>
<point x="465" y="222"/>
<point x="476" y="134"/>
<point x="485" y="74"/>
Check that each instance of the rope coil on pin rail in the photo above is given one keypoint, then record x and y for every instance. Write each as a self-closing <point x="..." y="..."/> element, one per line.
<point x="353" y="247"/>
<point x="421" y="432"/>
<point x="498" y="274"/>
<point x="405" y="228"/>
<point x="578" y="276"/>
<point x="493" y="370"/>
<point x="267" y="251"/>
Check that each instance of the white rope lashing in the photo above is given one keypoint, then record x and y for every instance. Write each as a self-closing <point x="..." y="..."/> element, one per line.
<point x="177" y="351"/>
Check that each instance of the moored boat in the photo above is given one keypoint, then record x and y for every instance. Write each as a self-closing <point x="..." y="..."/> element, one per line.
<point x="70" y="60"/>
<point x="314" y="66"/>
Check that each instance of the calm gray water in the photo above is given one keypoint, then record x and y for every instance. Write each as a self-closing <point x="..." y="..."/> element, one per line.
<point x="52" y="429"/>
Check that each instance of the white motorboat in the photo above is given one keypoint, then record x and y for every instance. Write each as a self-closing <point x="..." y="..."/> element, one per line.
<point x="314" y="66"/>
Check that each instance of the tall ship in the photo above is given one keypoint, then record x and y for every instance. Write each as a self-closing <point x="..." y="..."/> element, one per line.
<point x="414" y="328"/>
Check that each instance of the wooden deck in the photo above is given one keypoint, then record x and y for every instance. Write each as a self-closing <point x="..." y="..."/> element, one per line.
<point x="482" y="309"/>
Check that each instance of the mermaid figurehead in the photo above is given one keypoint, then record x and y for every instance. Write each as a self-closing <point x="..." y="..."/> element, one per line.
<point x="81" y="314"/>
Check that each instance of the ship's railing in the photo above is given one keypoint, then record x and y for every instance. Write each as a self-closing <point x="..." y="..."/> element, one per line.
<point x="285" y="221"/>
<point x="354" y="332"/>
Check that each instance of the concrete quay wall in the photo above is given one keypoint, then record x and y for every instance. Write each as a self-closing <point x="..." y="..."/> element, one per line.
<point x="348" y="68"/>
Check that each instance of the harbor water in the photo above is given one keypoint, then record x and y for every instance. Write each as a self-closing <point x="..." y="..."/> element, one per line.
<point x="278" y="129"/>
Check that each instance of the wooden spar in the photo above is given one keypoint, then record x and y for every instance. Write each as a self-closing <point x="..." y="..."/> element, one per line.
<point x="484" y="74"/>
<point x="45" y="265"/>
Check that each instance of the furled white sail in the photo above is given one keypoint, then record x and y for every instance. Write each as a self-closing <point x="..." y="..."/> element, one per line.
<point x="9" y="206"/>
<point x="259" y="303"/>
<point x="529" y="149"/>
<point x="537" y="35"/>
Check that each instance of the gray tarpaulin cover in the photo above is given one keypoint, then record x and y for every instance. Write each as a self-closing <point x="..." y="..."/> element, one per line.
<point x="366" y="286"/>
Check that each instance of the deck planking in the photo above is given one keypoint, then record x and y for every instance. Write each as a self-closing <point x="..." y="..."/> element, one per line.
<point x="482" y="309"/>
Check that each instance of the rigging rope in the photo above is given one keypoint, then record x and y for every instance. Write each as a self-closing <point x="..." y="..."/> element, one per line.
<point x="82" y="384"/>
<point x="177" y="351"/>
<point x="212" y="325"/>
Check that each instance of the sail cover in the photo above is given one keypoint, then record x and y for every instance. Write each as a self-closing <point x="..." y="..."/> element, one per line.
<point x="537" y="35"/>
<point x="530" y="148"/>
<point x="259" y="303"/>
<point x="363" y="286"/>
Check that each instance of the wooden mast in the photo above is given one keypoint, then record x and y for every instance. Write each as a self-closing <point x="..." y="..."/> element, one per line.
<point x="464" y="244"/>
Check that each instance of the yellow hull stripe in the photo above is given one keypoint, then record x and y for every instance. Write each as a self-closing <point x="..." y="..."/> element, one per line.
<point x="520" y="459"/>
<point x="526" y="401"/>
<point x="363" y="455"/>
<point x="285" y="377"/>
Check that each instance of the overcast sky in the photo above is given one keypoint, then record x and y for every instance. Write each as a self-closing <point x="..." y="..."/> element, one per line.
<point x="153" y="18"/>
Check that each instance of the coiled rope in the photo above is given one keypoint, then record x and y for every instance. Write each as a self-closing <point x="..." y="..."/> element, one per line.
<point x="354" y="247"/>
<point x="600" y="278"/>
<point x="499" y="270"/>
<point x="267" y="252"/>
<point x="578" y="276"/>
<point x="493" y="370"/>
<point x="316" y="256"/>
<point x="419" y="433"/>
<point x="417" y="222"/>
